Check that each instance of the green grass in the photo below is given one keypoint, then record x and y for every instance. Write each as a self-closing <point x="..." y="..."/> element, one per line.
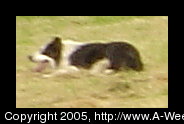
<point x="125" y="89"/>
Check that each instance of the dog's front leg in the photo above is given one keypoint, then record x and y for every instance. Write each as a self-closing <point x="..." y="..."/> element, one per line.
<point x="63" y="71"/>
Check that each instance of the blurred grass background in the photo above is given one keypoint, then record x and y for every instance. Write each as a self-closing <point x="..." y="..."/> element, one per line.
<point x="149" y="34"/>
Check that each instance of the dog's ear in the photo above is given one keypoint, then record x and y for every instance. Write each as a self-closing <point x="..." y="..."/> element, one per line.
<point x="57" y="40"/>
<point x="53" y="49"/>
<point x="56" y="44"/>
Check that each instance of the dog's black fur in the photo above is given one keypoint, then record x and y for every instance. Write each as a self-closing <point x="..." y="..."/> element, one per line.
<point x="87" y="55"/>
<point x="124" y="55"/>
<point x="120" y="54"/>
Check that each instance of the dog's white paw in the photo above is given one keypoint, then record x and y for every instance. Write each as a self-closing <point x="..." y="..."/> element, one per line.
<point x="109" y="71"/>
<point x="46" y="76"/>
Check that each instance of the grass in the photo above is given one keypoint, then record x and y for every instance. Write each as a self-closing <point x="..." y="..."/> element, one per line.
<point x="147" y="89"/>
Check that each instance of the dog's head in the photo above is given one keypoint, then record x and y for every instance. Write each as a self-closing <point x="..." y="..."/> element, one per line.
<point x="50" y="53"/>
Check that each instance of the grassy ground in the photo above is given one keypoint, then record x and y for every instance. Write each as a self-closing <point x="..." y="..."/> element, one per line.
<point x="125" y="89"/>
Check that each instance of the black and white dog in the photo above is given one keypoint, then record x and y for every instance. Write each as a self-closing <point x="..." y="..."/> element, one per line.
<point x="73" y="56"/>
